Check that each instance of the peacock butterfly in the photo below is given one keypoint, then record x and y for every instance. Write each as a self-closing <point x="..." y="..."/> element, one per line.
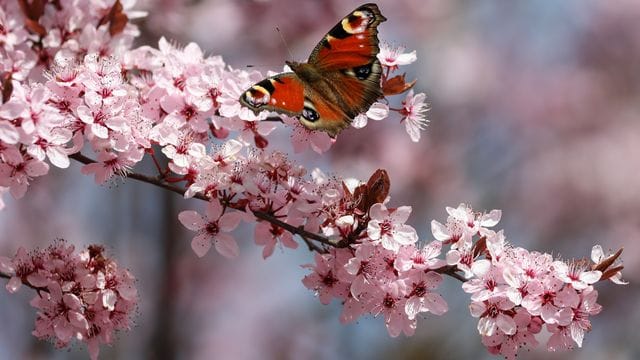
<point x="340" y="80"/>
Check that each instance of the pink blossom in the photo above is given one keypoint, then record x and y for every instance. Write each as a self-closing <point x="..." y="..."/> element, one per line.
<point x="580" y="323"/>
<point x="187" y="149"/>
<point x="19" y="63"/>
<point x="23" y="269"/>
<point x="378" y="111"/>
<point x="390" y="301"/>
<point x="488" y="283"/>
<point x="185" y="109"/>
<point x="463" y="259"/>
<point x="324" y="279"/>
<point x="387" y="227"/>
<point x="368" y="266"/>
<point x="495" y="315"/>
<point x="52" y="145"/>
<point x="560" y="339"/>
<point x="13" y="33"/>
<point x="18" y="171"/>
<point x="576" y="274"/>
<point x="269" y="235"/>
<point x="254" y="132"/>
<point x="212" y="229"/>
<point x="110" y="164"/>
<point x="409" y="257"/>
<point x="303" y="138"/>
<point x="352" y="309"/>
<point x="421" y="297"/>
<point x="413" y="114"/>
<point x="463" y="223"/>
<point x="509" y="345"/>
<point x="393" y="57"/>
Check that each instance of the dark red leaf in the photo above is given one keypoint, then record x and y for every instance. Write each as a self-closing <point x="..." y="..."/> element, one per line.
<point x="378" y="187"/>
<point x="32" y="12"/>
<point x="7" y="87"/>
<point x="396" y="85"/>
<point x="116" y="18"/>
<point x="35" y="27"/>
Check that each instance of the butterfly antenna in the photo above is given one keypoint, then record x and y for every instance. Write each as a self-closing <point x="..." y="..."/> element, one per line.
<point x="284" y="42"/>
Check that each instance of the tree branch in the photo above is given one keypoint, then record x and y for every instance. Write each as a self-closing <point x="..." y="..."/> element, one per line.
<point x="450" y="270"/>
<point x="157" y="181"/>
<point x="305" y="235"/>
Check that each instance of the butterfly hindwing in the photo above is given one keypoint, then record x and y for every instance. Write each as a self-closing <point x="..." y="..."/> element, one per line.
<point x="340" y="96"/>
<point x="286" y="93"/>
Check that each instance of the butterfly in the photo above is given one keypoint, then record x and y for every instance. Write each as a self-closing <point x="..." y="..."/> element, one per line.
<point x="340" y="80"/>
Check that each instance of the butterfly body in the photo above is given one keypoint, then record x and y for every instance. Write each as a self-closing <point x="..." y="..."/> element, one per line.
<point x="340" y="80"/>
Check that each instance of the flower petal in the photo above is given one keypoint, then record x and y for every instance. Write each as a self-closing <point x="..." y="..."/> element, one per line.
<point x="201" y="244"/>
<point x="229" y="221"/>
<point x="227" y="246"/>
<point x="214" y="210"/>
<point x="191" y="220"/>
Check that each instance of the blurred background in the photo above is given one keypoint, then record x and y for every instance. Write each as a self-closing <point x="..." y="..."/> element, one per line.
<point x="535" y="111"/>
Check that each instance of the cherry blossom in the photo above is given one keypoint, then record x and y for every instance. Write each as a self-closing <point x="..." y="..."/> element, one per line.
<point x="390" y="301"/>
<point x="324" y="280"/>
<point x="212" y="229"/>
<point x="388" y="227"/>
<point x="393" y="57"/>
<point x="424" y="258"/>
<point x="303" y="138"/>
<point x="18" y="170"/>
<point x="420" y="298"/>
<point x="269" y="235"/>
<point x="413" y="114"/>
<point x="576" y="274"/>
<point x="378" y="111"/>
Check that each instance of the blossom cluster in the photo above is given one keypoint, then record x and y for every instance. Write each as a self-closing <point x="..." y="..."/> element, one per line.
<point x="382" y="271"/>
<point x="44" y="119"/>
<point x="80" y="295"/>
<point x="514" y="292"/>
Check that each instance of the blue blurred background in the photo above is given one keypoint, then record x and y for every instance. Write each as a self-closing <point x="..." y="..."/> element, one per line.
<point x="535" y="111"/>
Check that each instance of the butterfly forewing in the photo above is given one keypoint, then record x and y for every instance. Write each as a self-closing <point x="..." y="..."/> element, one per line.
<point x="352" y="42"/>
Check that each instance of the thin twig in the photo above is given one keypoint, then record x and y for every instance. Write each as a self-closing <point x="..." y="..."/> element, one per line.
<point x="313" y="247"/>
<point x="452" y="271"/>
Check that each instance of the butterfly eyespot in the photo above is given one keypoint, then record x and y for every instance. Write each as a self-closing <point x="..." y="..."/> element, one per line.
<point x="257" y="96"/>
<point x="310" y="114"/>
<point x="362" y="72"/>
